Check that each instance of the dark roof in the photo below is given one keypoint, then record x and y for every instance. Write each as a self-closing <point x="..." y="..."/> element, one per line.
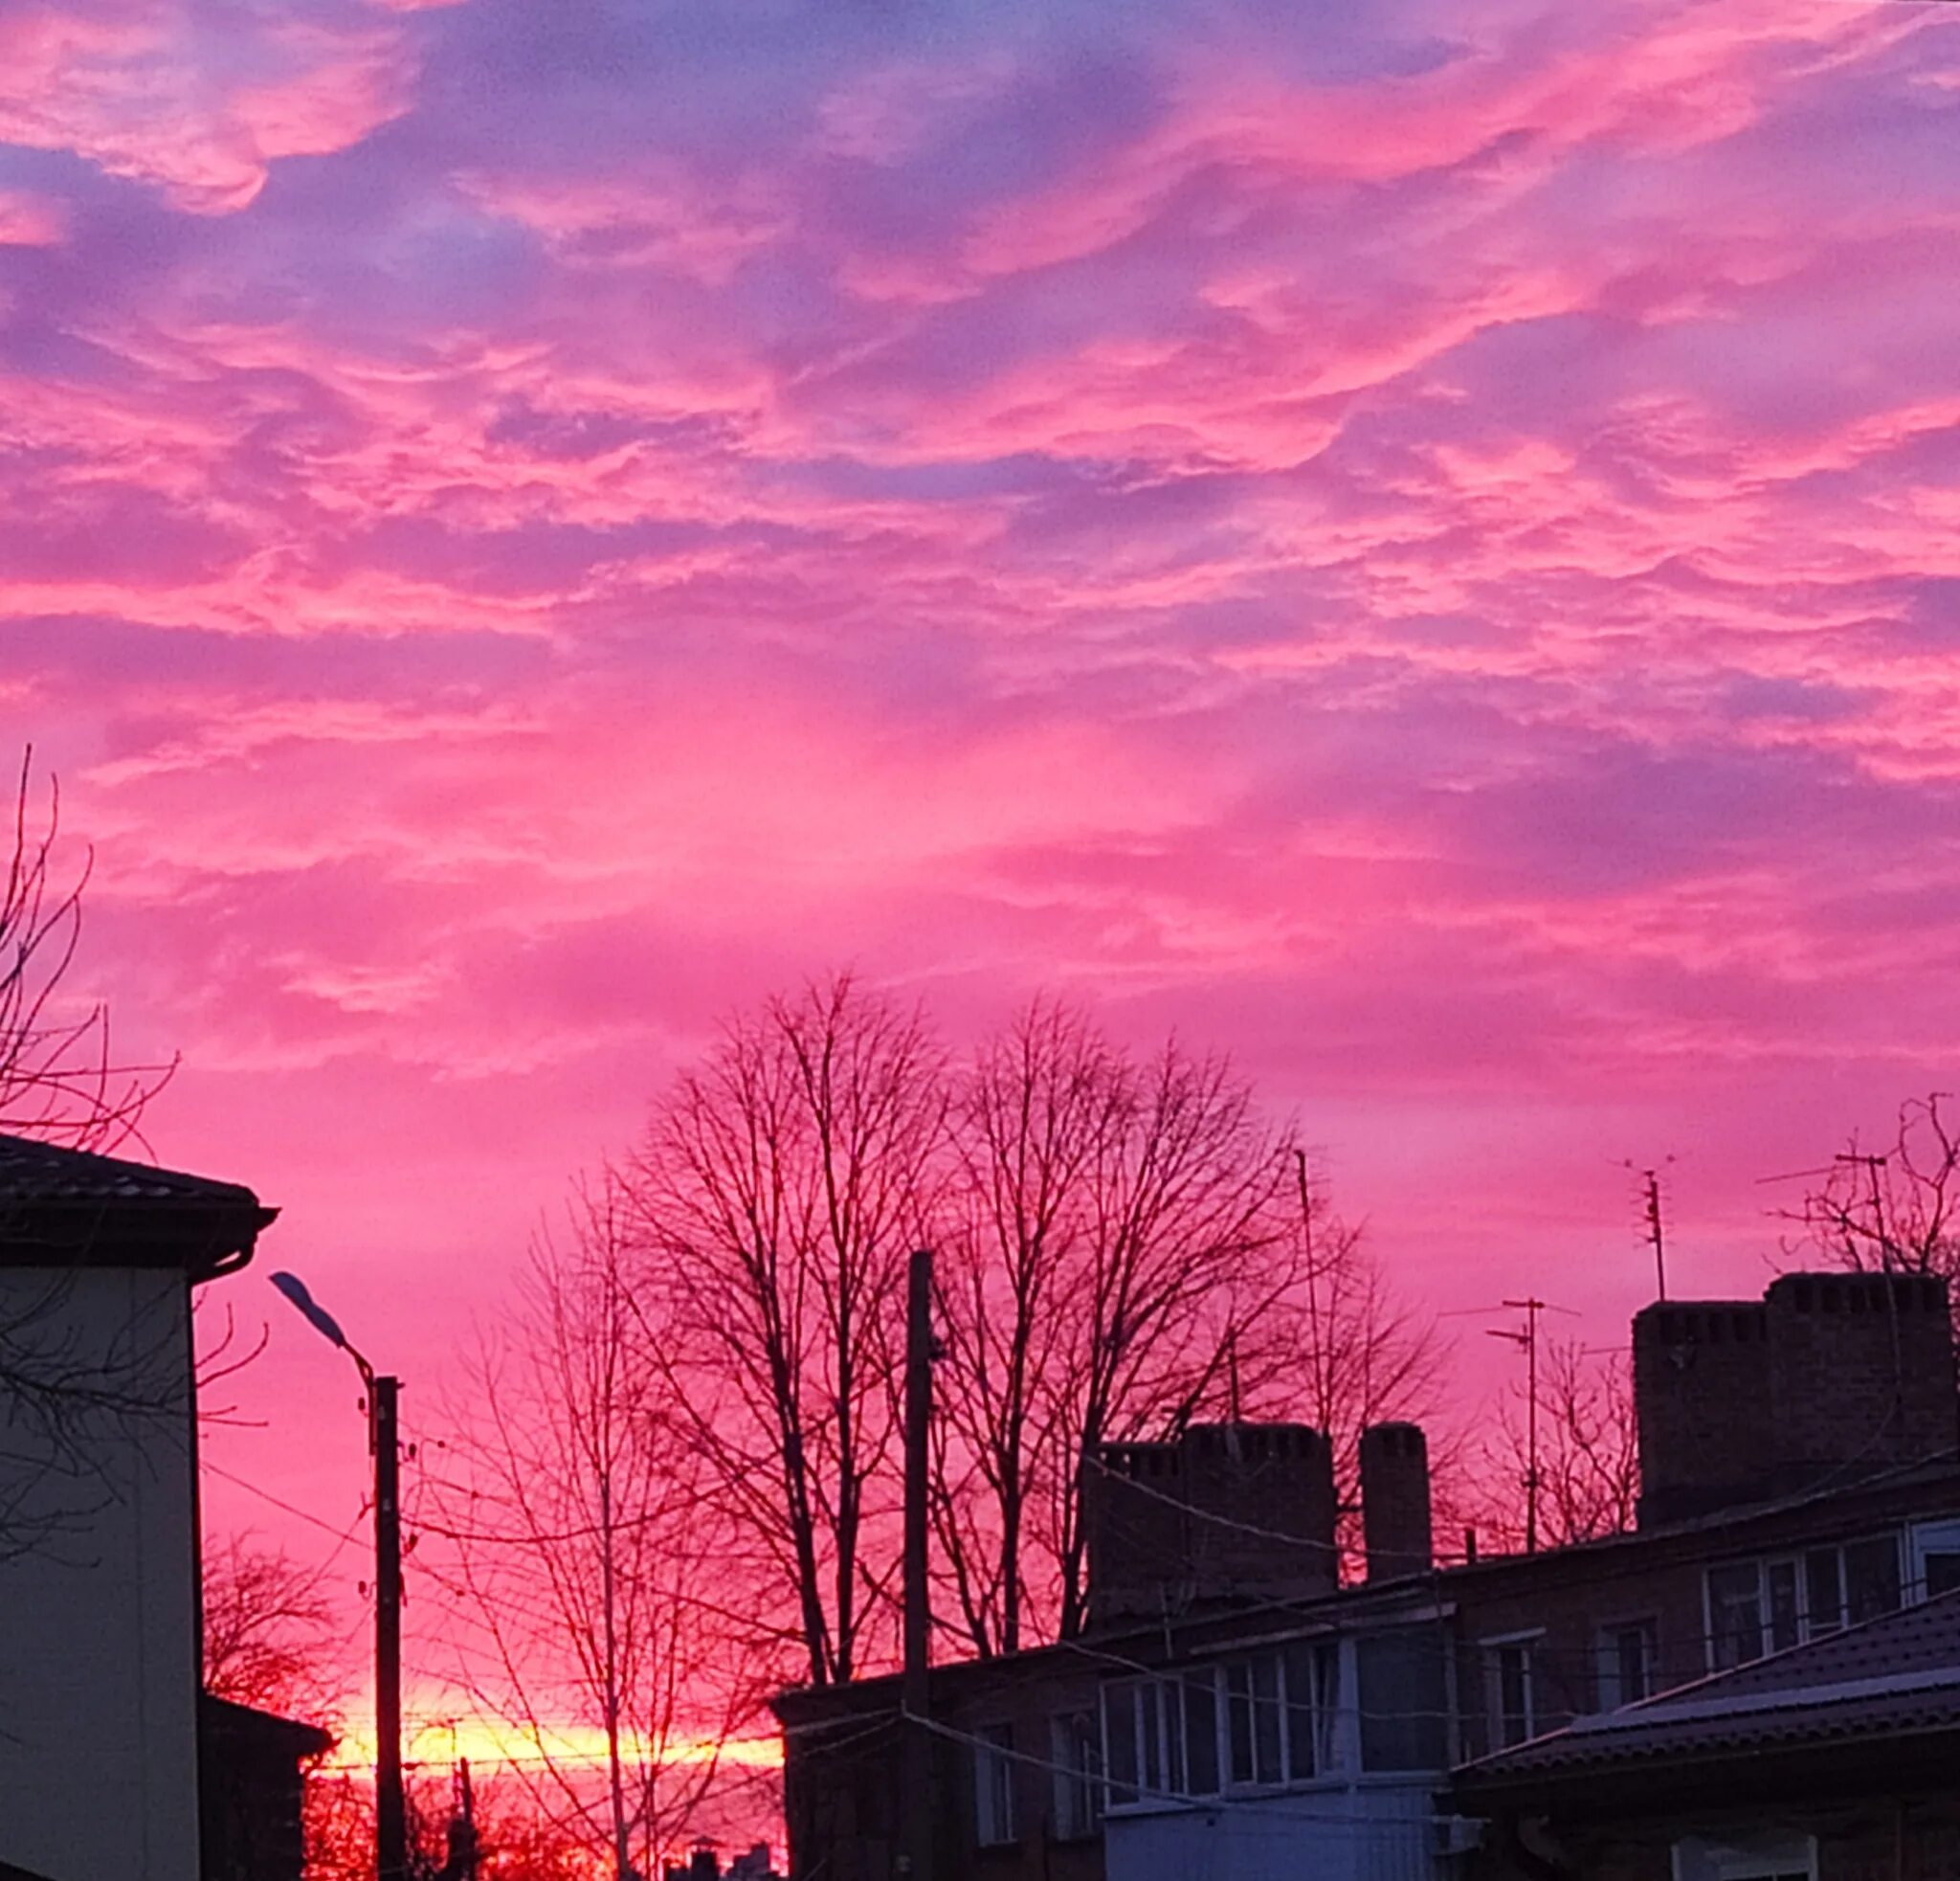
<point x="80" y="1205"/>
<point x="1894" y="1677"/>
<point x="226" y="1723"/>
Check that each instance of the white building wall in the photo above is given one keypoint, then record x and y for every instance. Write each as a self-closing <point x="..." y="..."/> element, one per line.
<point x="1374" y="1830"/>
<point x="98" y="1617"/>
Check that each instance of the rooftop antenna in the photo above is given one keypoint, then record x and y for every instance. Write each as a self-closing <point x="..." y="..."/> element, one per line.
<point x="1650" y="1217"/>
<point x="1872" y="1165"/>
<point x="1527" y="1340"/>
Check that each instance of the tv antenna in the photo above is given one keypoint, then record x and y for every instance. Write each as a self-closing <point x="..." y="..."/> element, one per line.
<point x="1525" y="1338"/>
<point x="1651" y="1221"/>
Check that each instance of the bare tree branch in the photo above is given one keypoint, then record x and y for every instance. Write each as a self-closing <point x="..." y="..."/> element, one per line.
<point x="584" y="1557"/>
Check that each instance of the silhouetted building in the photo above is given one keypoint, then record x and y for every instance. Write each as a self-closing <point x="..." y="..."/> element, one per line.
<point x="1830" y="1762"/>
<point x="251" y="1791"/>
<point x="1234" y="1712"/>
<point x="99" y="1585"/>
<point x="704" y="1864"/>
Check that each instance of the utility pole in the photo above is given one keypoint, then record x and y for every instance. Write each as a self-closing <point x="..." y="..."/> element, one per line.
<point x="384" y="1449"/>
<point x="1654" y="1234"/>
<point x="463" y="1852"/>
<point x="1531" y="1307"/>
<point x="391" y="1824"/>
<point x="916" y="1843"/>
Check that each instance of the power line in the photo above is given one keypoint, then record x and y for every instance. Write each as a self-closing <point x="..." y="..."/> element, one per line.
<point x="342" y="1537"/>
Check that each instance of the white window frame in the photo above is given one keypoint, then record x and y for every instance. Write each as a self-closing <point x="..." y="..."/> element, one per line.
<point x="1153" y="1696"/>
<point x="1805" y="1626"/>
<point x="1609" y="1694"/>
<point x="1923" y="1538"/>
<point x="994" y="1811"/>
<point x="1492" y="1650"/>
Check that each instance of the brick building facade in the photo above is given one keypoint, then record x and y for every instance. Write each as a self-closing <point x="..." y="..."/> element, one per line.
<point x="1838" y="1760"/>
<point x="1231" y="1708"/>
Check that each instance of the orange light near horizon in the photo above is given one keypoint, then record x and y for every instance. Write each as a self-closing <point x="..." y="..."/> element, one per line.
<point x="490" y="1744"/>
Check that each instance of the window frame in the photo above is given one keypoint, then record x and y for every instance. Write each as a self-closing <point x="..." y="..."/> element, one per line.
<point x="1797" y="1564"/>
<point x="995" y="1803"/>
<point x="1939" y="1535"/>
<point x="1609" y="1663"/>
<point x="1079" y="1784"/>
<point x="1246" y="1682"/>
<point x="1492" y="1649"/>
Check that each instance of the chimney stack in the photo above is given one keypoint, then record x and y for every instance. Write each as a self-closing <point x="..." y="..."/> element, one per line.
<point x="1394" y="1500"/>
<point x="1828" y="1377"/>
<point x="1223" y="1512"/>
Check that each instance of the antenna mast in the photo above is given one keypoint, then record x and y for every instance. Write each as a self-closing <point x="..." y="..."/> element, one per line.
<point x="1531" y="1307"/>
<point x="1654" y="1231"/>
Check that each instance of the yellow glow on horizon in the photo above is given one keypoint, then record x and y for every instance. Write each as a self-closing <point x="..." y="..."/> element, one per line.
<point x="491" y="1743"/>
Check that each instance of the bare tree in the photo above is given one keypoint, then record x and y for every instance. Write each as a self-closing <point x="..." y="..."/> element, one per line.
<point x="779" y="1188"/>
<point x="1126" y="1257"/>
<point x="59" y="1078"/>
<point x="1895" y="1210"/>
<point x="586" y="1559"/>
<point x="1588" y="1451"/>
<point x="271" y="1634"/>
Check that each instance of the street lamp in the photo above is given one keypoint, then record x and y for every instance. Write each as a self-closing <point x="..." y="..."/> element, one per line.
<point x="390" y="1823"/>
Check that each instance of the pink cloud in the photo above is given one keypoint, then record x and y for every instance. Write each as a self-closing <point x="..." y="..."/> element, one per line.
<point x="128" y="90"/>
<point x="1419" y="546"/>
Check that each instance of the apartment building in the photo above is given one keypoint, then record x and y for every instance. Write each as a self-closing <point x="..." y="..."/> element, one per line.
<point x="1235" y="1709"/>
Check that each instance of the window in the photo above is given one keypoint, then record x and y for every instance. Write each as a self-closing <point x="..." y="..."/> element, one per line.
<point x="1256" y="1723"/>
<point x="1935" y="1559"/>
<point x="1513" y="1701"/>
<point x="1075" y="1750"/>
<point x="1403" y="1699"/>
<point x="1627" y="1657"/>
<point x="1313" y="1704"/>
<point x="994" y="1784"/>
<point x="1142" y="1721"/>
<point x="1756" y="1607"/>
<point x="1735" y="1614"/>
<point x="1769" y="1856"/>
<point x="1871" y="1578"/>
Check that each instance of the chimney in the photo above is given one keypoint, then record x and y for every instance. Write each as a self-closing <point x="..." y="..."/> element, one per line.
<point x="1225" y="1511"/>
<point x="1830" y="1374"/>
<point x="1394" y="1500"/>
<point x="1861" y="1374"/>
<point x="1702" y="1403"/>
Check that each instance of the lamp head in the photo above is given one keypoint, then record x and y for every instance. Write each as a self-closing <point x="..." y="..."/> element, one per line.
<point x="317" y="1315"/>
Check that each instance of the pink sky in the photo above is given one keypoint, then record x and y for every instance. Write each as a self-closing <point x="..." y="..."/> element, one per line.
<point x="1421" y="543"/>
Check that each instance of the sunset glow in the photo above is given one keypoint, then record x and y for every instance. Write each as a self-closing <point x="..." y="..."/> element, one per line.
<point x="1419" y="545"/>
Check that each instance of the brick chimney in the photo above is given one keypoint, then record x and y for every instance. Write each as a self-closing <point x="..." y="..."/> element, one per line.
<point x="1828" y="1374"/>
<point x="1861" y="1374"/>
<point x="1394" y="1500"/>
<point x="1226" y="1511"/>
<point x="1702" y="1401"/>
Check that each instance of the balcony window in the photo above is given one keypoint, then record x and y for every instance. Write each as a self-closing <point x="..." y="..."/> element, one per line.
<point x="1259" y="1721"/>
<point x="1404" y="1700"/>
<point x="1076" y="1752"/>
<point x="993" y="1786"/>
